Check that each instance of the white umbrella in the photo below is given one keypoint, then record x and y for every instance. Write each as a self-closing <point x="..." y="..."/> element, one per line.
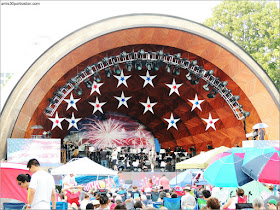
<point x="260" y="125"/>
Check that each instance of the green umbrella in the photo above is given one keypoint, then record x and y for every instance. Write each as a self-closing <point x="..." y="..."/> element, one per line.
<point x="252" y="189"/>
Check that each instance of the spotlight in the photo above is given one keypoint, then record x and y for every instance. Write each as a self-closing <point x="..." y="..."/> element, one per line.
<point x="176" y="71"/>
<point x="160" y="53"/>
<point x="108" y="72"/>
<point x="245" y="114"/>
<point x="209" y="72"/>
<point x="195" y="80"/>
<point x="88" y="83"/>
<point x="206" y="87"/>
<point x="96" y="77"/>
<point x="156" y="65"/>
<point x="48" y="110"/>
<point x="141" y="52"/>
<point x="189" y="76"/>
<point x="239" y="106"/>
<point x="123" y="54"/>
<point x="194" y="62"/>
<point x="235" y="98"/>
<point x="212" y="93"/>
<point x="224" y="83"/>
<point x="128" y="65"/>
<point x="78" y="91"/>
<point x="168" y="68"/>
<point x="149" y="65"/>
<point x="177" y="56"/>
<point x="117" y="69"/>
<point x="89" y="69"/>
<point x="105" y="60"/>
<point x="138" y="65"/>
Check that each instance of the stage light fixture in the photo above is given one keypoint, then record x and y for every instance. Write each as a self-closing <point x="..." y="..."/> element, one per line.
<point x="117" y="69"/>
<point x="78" y="90"/>
<point x="212" y="93"/>
<point x="194" y="62"/>
<point x="138" y="65"/>
<point x="176" y="71"/>
<point x="195" y="80"/>
<point x="89" y="69"/>
<point x="88" y="83"/>
<point x="245" y="113"/>
<point x="123" y="54"/>
<point x="156" y="65"/>
<point x="168" y="68"/>
<point x="96" y="77"/>
<point x="105" y="60"/>
<point x="209" y="72"/>
<point x="160" y="53"/>
<point x="177" y="56"/>
<point x="235" y="98"/>
<point x="224" y="83"/>
<point x="189" y="76"/>
<point x="48" y="110"/>
<point x="149" y="65"/>
<point x="108" y="72"/>
<point x="206" y="87"/>
<point x="128" y="65"/>
<point x="141" y="52"/>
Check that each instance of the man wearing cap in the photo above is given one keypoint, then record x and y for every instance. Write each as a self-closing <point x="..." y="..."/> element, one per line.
<point x="187" y="201"/>
<point x="271" y="204"/>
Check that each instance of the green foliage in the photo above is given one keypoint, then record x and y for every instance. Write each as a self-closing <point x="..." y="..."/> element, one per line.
<point x="254" y="25"/>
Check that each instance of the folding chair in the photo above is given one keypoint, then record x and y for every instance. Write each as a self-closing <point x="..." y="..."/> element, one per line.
<point x="172" y="203"/>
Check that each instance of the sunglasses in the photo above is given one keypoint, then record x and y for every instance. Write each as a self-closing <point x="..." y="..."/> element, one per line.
<point x="19" y="183"/>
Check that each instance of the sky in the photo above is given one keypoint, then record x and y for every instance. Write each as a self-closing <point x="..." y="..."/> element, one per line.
<point x="27" y="31"/>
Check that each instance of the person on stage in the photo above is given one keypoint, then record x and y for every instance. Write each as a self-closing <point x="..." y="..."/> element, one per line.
<point x="152" y="158"/>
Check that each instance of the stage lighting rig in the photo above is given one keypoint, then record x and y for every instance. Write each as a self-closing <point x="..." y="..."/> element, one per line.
<point x="128" y="66"/>
<point x="176" y="71"/>
<point x="48" y="110"/>
<point x="138" y="65"/>
<point x="168" y="68"/>
<point x="149" y="65"/>
<point x="117" y="69"/>
<point x="206" y="87"/>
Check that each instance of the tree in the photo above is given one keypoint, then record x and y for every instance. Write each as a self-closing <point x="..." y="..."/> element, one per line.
<point x="254" y="25"/>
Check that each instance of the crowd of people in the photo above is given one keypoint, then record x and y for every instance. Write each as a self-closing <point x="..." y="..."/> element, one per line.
<point x="42" y="192"/>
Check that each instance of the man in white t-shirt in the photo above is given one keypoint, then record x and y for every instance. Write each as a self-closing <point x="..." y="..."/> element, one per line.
<point x="42" y="187"/>
<point x="187" y="201"/>
<point x="114" y="158"/>
<point x="69" y="181"/>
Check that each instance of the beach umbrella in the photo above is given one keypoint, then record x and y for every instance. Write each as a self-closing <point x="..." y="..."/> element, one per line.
<point x="252" y="189"/>
<point x="260" y="125"/>
<point x="224" y="170"/>
<point x="263" y="165"/>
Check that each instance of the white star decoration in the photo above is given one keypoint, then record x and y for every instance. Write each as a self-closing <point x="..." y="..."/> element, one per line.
<point x="73" y="121"/>
<point x="174" y="87"/>
<point x="71" y="102"/>
<point x="122" y="79"/>
<point x="148" y="79"/>
<point x="122" y="100"/>
<point x="56" y="121"/>
<point x="210" y="122"/>
<point x="148" y="106"/>
<point x="95" y="87"/>
<point x="196" y="103"/>
<point x="97" y="106"/>
<point x="171" y="122"/>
